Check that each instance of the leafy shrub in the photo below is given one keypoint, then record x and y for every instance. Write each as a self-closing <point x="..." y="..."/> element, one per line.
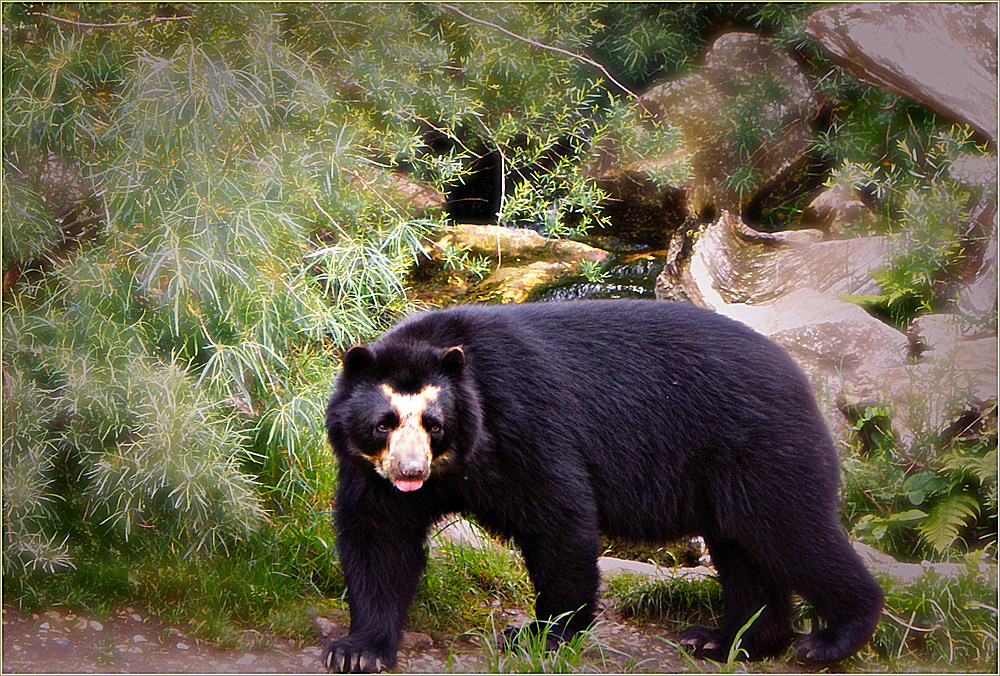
<point x="937" y="499"/>
<point x="680" y="600"/>
<point x="198" y="210"/>
<point x="930" y="216"/>
<point x="948" y="620"/>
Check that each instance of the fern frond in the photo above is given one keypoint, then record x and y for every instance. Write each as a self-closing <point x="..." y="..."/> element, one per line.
<point x="945" y="520"/>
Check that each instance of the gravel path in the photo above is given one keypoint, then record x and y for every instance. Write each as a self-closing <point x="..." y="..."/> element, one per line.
<point x="60" y="641"/>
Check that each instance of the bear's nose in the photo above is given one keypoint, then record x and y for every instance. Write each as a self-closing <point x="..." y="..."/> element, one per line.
<point x="411" y="467"/>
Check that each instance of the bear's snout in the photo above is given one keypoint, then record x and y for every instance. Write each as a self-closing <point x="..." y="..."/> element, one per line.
<point x="409" y="457"/>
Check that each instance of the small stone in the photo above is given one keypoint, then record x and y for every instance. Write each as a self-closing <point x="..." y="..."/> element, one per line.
<point x="415" y="640"/>
<point x="44" y="625"/>
<point x="183" y="646"/>
<point x="135" y="617"/>
<point x="95" y="625"/>
<point x="139" y="638"/>
<point x="246" y="659"/>
<point x="136" y="650"/>
<point x="323" y="626"/>
<point x="62" y="641"/>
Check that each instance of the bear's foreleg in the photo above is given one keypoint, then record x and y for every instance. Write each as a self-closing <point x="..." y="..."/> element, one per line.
<point x="382" y="556"/>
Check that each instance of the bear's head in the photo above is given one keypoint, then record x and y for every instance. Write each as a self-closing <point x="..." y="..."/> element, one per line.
<point x="407" y="410"/>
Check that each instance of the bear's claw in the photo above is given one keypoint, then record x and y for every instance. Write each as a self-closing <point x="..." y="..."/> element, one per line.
<point x="703" y="642"/>
<point x="822" y="647"/>
<point x="338" y="658"/>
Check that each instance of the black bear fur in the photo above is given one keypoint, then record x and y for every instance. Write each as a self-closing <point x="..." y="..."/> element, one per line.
<point x="642" y="420"/>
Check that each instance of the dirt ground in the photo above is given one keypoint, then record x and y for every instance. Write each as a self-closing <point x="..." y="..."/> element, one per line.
<point x="61" y="641"/>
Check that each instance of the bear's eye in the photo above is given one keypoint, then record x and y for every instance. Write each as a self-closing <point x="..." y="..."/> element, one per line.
<point x="382" y="428"/>
<point x="434" y="428"/>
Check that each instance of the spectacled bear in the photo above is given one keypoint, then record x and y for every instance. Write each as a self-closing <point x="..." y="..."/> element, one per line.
<point x="552" y="423"/>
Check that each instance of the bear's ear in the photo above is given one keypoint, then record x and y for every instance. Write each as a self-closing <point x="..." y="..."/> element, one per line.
<point x="357" y="359"/>
<point x="453" y="361"/>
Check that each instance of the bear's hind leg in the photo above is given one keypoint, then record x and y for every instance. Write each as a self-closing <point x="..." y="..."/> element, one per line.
<point x="563" y="570"/>
<point x="747" y="587"/>
<point x="844" y="594"/>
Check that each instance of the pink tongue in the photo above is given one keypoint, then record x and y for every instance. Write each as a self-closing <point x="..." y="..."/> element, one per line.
<point x="407" y="485"/>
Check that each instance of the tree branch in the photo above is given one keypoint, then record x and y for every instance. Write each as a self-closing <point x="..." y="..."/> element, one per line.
<point x="566" y="52"/>
<point x="108" y="25"/>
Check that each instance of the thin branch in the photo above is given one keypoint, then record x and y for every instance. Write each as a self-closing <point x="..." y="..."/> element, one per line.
<point x="329" y="217"/>
<point x="574" y="55"/>
<point x="907" y="624"/>
<point x="85" y="24"/>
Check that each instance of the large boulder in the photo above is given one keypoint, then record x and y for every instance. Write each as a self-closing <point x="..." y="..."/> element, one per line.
<point x="524" y="261"/>
<point x="834" y="211"/>
<point x="943" y="56"/>
<point x="745" y="120"/>
<point x="976" y="293"/>
<point x="959" y="359"/>
<point x="790" y="286"/>
<point x="505" y="243"/>
<point x="732" y="263"/>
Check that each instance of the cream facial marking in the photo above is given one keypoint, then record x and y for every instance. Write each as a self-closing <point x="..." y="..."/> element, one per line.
<point x="407" y="462"/>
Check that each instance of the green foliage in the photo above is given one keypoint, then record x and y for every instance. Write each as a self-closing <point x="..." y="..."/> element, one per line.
<point x="937" y="499"/>
<point x="637" y="137"/>
<point x="736" y="652"/>
<point x="530" y="651"/>
<point x="942" y="621"/>
<point x="199" y="205"/>
<point x="463" y="586"/>
<point x="678" y="601"/>
<point x="922" y="208"/>
<point x="949" y="620"/>
<point x="275" y="581"/>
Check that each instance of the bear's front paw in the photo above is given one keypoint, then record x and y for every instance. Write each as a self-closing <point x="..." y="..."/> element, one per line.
<point x="705" y="643"/>
<point x="347" y="656"/>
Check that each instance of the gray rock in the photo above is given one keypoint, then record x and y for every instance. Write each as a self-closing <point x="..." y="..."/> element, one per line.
<point x="528" y="261"/>
<point x="976" y="296"/>
<point x="943" y="56"/>
<point x="504" y="243"/>
<point x="834" y="210"/>
<point x="908" y="573"/>
<point x="732" y="263"/>
<point x="788" y="286"/>
<point x="611" y="566"/>
<point x="460" y="531"/>
<point x="939" y="333"/>
<point x="400" y="191"/>
<point x="745" y="85"/>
